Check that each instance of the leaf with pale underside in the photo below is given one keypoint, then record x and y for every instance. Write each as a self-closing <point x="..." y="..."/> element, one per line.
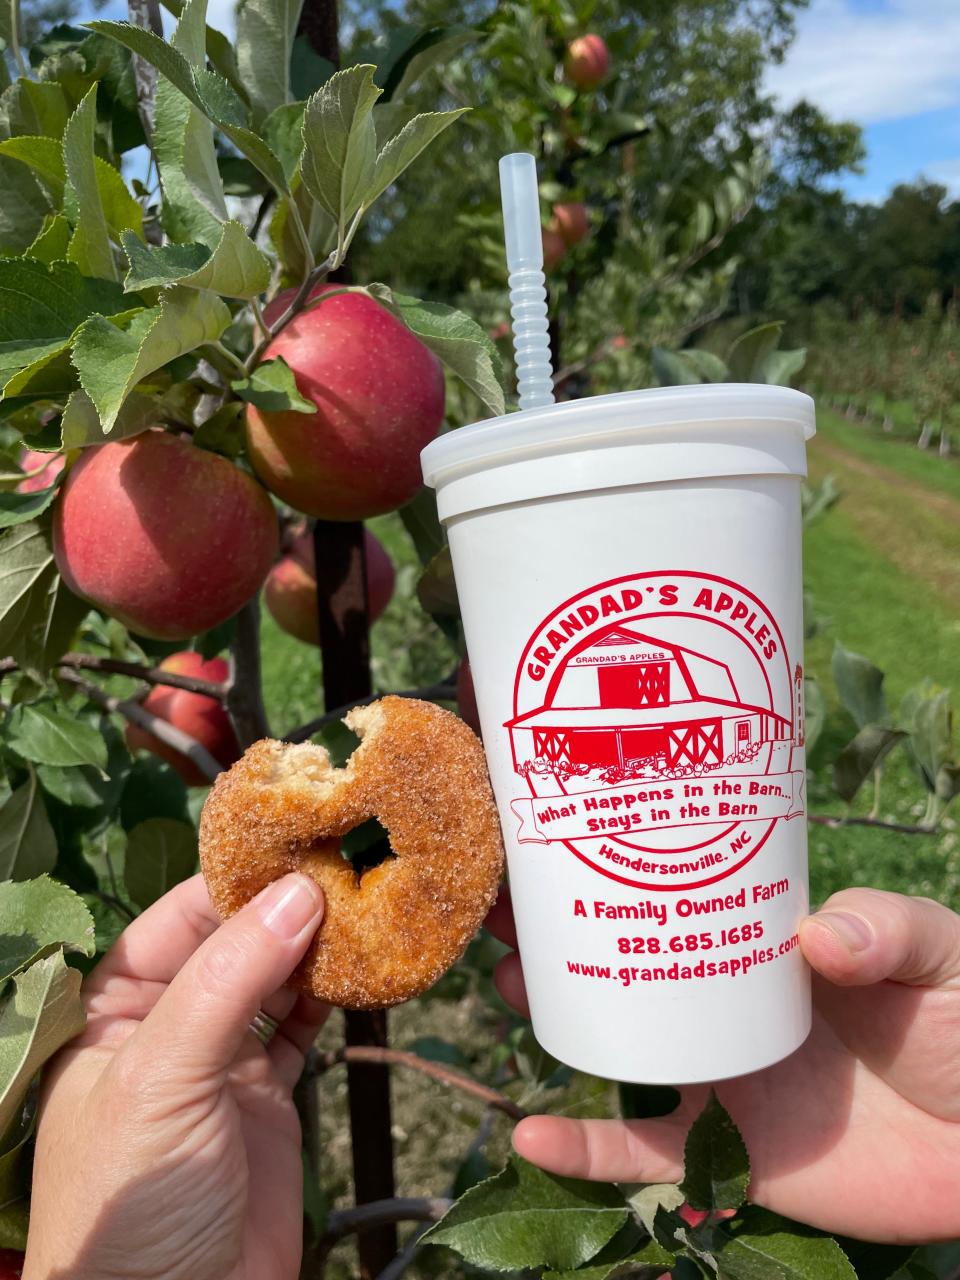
<point x="178" y="71"/>
<point x="266" y="30"/>
<point x="37" y="917"/>
<point x="236" y="268"/>
<point x="90" y="247"/>
<point x="406" y="146"/>
<point x="111" y="361"/>
<point x="454" y="338"/>
<point x="44" y="1012"/>
<point x="16" y="508"/>
<point x="273" y="388"/>
<point x="80" y="422"/>
<point x="340" y="143"/>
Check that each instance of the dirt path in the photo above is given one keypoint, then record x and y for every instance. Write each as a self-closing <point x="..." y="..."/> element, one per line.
<point x="914" y="527"/>
<point x="946" y="507"/>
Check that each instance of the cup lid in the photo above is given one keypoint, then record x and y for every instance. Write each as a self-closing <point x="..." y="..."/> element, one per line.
<point x="604" y="419"/>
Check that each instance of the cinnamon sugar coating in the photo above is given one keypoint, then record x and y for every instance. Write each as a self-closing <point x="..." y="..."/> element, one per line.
<point x="391" y="932"/>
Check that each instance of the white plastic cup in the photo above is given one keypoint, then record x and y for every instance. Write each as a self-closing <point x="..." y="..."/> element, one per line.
<point x="628" y="569"/>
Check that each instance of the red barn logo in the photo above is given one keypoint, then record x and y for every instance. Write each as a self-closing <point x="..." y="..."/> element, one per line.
<point x="657" y="727"/>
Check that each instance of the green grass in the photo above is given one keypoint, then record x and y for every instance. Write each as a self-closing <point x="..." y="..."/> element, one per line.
<point x="924" y="466"/>
<point x="875" y="568"/>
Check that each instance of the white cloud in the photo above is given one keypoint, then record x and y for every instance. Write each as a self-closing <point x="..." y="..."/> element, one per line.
<point x="947" y="173"/>
<point x="893" y="62"/>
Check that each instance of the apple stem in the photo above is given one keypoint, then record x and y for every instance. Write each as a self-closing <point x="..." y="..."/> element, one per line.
<point x="160" y="729"/>
<point x="297" y="303"/>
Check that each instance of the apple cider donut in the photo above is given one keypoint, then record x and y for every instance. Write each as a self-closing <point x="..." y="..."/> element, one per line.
<point x="392" y="931"/>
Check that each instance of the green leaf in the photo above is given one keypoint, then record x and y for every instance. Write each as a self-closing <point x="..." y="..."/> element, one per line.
<point x="220" y="51"/>
<point x="814" y="712"/>
<point x="34" y="107"/>
<point x="782" y="366"/>
<point x="15" y="508"/>
<point x="308" y="71"/>
<point x="860" y="687"/>
<point x="715" y="1161"/>
<point x="44" y="1012"/>
<point x="15" y="1169"/>
<point x="651" y="1255"/>
<point x="111" y="361"/>
<point x="748" y="356"/>
<point x="860" y="758"/>
<point x="671" y="368"/>
<point x="765" y="1247"/>
<point x="403" y="149"/>
<point x="926" y="714"/>
<point x="436" y="589"/>
<point x="38" y="733"/>
<point x="524" y="1217"/>
<point x="44" y="156"/>
<point x="90" y="247"/>
<point x="283" y="133"/>
<point x="266" y="30"/>
<point x="421" y="521"/>
<point x="413" y="51"/>
<point x="454" y="338"/>
<point x="41" y="307"/>
<point x="23" y="208"/>
<point x="38" y="615"/>
<point x="236" y="268"/>
<point x="28" y="846"/>
<point x="222" y="432"/>
<point x="178" y="71"/>
<point x="80" y="422"/>
<point x="273" y="387"/>
<point x="52" y="240"/>
<point x="71" y="786"/>
<point x="436" y="1050"/>
<point x="649" y="1200"/>
<point x="705" y="364"/>
<point x="340" y="143"/>
<point x="160" y="853"/>
<point x="37" y="917"/>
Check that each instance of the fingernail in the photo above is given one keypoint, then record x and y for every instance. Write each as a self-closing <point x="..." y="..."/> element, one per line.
<point x="288" y="905"/>
<point x="853" y="931"/>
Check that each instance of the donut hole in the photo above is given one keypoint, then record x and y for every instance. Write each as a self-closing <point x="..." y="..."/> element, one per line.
<point x="367" y="846"/>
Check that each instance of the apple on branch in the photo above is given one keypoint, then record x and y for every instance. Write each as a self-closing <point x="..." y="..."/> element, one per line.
<point x="196" y="714"/>
<point x="290" y="592"/>
<point x="379" y="396"/>
<point x="587" y="61"/>
<point x="42" y="469"/>
<point x="169" y="538"/>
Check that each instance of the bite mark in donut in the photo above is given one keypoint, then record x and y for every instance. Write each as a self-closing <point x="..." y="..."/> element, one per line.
<point x="391" y="932"/>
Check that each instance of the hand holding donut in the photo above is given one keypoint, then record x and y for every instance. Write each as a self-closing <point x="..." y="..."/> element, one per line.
<point x="168" y="1143"/>
<point x="858" y="1132"/>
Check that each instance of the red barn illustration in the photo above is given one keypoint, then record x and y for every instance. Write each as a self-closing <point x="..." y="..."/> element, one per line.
<point x="629" y="701"/>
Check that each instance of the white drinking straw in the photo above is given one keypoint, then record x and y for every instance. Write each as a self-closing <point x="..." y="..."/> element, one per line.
<point x="528" y="295"/>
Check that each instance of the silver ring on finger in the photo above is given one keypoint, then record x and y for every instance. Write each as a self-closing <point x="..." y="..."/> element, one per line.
<point x="263" y="1027"/>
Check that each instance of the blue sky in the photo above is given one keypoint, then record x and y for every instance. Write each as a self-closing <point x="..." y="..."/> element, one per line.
<point x="893" y="66"/>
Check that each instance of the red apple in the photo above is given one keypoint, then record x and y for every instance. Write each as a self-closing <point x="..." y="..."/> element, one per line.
<point x="379" y="394"/>
<point x="618" y="342"/>
<point x="587" y="61"/>
<point x="466" y="696"/>
<point x="201" y="717"/>
<point x="170" y="539"/>
<point x="571" y="221"/>
<point x="47" y="466"/>
<point x="11" y="1260"/>
<point x="554" y="247"/>
<point x="290" y="592"/>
